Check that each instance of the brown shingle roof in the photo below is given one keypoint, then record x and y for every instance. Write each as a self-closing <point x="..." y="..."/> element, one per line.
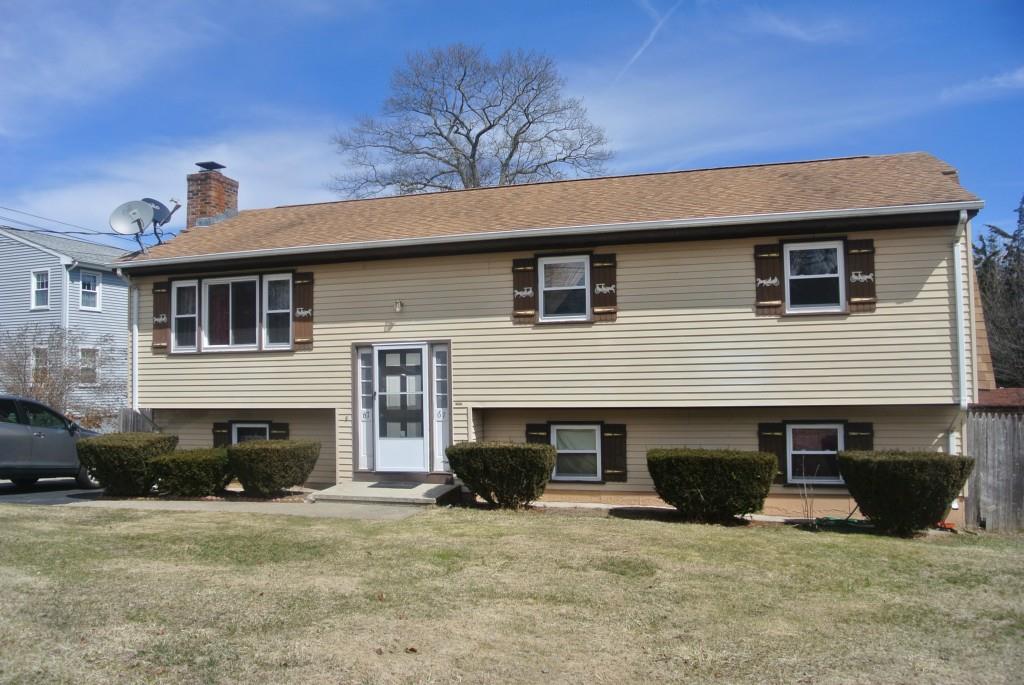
<point x="830" y="184"/>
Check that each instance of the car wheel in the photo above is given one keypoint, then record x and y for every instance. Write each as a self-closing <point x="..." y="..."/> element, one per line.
<point x="24" y="482"/>
<point x="86" y="479"/>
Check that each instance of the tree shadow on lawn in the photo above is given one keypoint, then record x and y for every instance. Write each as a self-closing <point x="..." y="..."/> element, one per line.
<point x="671" y="516"/>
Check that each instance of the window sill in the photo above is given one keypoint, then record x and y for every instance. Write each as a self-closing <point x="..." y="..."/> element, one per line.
<point x="227" y="350"/>
<point x="39" y="309"/>
<point x="89" y="309"/>
<point x="831" y="312"/>
<point x="578" y="481"/>
<point x="562" y="322"/>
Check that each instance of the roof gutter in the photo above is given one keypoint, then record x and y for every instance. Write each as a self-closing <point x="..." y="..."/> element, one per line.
<point x="594" y="229"/>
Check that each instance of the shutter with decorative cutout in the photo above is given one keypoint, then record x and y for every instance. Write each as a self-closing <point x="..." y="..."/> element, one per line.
<point x="603" y="277"/>
<point x="524" y="290"/>
<point x="221" y="434"/>
<point x="769" y="280"/>
<point x="302" y="310"/>
<point x="613" y="452"/>
<point x="538" y="433"/>
<point x="859" y="437"/>
<point x="771" y="438"/>
<point x="279" y="431"/>
<point x="860" y="275"/>
<point x="161" y="342"/>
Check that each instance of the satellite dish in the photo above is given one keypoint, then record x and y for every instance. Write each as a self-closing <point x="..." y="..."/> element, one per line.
<point x="131" y="218"/>
<point x="160" y="212"/>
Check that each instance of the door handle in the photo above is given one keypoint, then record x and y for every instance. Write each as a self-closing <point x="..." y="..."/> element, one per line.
<point x="39" y="434"/>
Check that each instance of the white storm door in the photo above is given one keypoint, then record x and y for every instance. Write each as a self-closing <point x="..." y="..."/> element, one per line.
<point x="400" y="408"/>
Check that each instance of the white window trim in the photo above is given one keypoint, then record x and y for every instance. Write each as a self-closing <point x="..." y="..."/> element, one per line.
<point x="267" y="345"/>
<point x="207" y="347"/>
<point x="597" y="444"/>
<point x="841" y="444"/>
<point x="32" y="360"/>
<point x="32" y="290"/>
<point x="840" y="275"/>
<point x="82" y="291"/>
<point x="96" y="367"/>
<point x="174" y="315"/>
<point x="585" y="260"/>
<point x="258" y="424"/>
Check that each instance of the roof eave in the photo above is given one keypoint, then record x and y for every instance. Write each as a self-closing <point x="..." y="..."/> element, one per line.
<point x="596" y="229"/>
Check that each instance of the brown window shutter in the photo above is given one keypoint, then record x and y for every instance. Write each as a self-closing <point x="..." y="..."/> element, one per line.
<point x="221" y="434"/>
<point x="538" y="432"/>
<point x="279" y="431"/>
<point x="605" y="297"/>
<point x="771" y="438"/>
<point x="524" y="290"/>
<point x="613" y="452"/>
<point x="769" y="280"/>
<point x="860" y="436"/>
<point x="302" y="311"/>
<point x="161" y="317"/>
<point x="860" y="275"/>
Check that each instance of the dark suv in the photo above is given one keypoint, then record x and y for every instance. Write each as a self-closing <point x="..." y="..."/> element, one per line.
<point x="38" y="442"/>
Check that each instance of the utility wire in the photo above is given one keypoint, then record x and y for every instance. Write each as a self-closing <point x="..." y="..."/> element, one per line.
<point x="33" y="228"/>
<point x="53" y="221"/>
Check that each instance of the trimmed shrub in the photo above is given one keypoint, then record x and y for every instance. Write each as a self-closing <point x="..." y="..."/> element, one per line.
<point x="120" y="461"/>
<point x="901" y="492"/>
<point x="507" y="475"/>
<point x="712" y="485"/>
<point x="190" y="473"/>
<point x="265" y="467"/>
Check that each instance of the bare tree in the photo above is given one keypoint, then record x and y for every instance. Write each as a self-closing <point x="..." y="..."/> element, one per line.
<point x="999" y="261"/>
<point x="455" y="119"/>
<point x="62" y="369"/>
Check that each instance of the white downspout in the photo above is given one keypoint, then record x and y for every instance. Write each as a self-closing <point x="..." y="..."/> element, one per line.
<point x="133" y="295"/>
<point x="958" y="282"/>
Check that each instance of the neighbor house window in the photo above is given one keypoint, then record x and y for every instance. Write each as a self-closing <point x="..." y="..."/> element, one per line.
<point x="579" y="452"/>
<point x="813" y="277"/>
<point x="87" y="366"/>
<point x="564" y="288"/>
<point x="277" y="311"/>
<point x="40" y="365"/>
<point x="230" y="313"/>
<point x="184" y="316"/>
<point x="812" y="451"/>
<point x="243" y="432"/>
<point x="41" y="289"/>
<point x="89" y="283"/>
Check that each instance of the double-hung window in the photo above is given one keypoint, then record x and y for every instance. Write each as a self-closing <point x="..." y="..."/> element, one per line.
<point x="814" y="281"/>
<point x="184" y="316"/>
<point x="813" y="452"/>
<point x="40" y="289"/>
<point x="89" y="286"/>
<point x="40" y="365"/>
<point x="564" y="288"/>
<point x="243" y="432"/>
<point x="89" y="358"/>
<point x="230" y="313"/>
<point x="277" y="311"/>
<point x="579" y="452"/>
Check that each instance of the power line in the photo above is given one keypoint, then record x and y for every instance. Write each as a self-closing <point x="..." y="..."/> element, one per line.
<point x="53" y="221"/>
<point x="33" y="228"/>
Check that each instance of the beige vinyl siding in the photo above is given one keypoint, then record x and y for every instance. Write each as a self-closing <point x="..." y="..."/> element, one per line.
<point x="194" y="428"/>
<point x="903" y="428"/>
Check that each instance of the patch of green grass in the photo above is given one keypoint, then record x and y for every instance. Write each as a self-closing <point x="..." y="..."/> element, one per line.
<point x="450" y="595"/>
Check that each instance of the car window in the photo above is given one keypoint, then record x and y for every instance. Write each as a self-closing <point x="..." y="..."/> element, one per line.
<point x="41" y="417"/>
<point x="8" y="412"/>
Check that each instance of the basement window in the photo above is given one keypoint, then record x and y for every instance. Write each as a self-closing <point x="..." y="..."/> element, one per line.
<point x="812" y="454"/>
<point x="579" y="452"/>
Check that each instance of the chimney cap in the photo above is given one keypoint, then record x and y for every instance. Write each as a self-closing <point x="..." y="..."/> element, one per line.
<point x="210" y="166"/>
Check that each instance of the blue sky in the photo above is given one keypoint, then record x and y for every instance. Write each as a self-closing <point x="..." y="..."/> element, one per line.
<point x="103" y="102"/>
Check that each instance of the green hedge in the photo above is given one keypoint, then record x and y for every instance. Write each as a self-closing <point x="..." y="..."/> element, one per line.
<point x="901" y="492"/>
<point x="508" y="475"/>
<point x="265" y="467"/>
<point x="712" y="485"/>
<point x="120" y="461"/>
<point x="190" y="473"/>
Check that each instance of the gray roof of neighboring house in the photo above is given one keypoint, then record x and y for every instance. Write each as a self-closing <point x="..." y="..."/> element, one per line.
<point x="79" y="250"/>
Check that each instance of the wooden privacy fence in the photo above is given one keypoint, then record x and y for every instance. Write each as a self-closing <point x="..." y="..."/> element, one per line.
<point x="131" y="421"/>
<point x="995" y="490"/>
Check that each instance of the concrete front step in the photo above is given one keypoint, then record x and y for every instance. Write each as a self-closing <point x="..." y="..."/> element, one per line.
<point x="387" y="492"/>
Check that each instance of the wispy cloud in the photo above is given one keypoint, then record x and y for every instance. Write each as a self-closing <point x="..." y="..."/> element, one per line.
<point x="659" y="22"/>
<point x="989" y="86"/>
<point x="772" y="24"/>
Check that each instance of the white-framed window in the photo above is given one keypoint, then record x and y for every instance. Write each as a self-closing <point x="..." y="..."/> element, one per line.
<point x="40" y="365"/>
<point x="184" y="316"/>
<point x="812" y="451"/>
<point x="564" y="288"/>
<point x="90" y="291"/>
<point x="814" y="277"/>
<point x="579" y="451"/>
<point x="40" y="282"/>
<point x="88" y="373"/>
<point x="230" y="313"/>
<point x="243" y="432"/>
<point x="277" y="311"/>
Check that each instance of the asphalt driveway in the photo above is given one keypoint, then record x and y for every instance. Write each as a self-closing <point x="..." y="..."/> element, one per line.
<point x="46" y="491"/>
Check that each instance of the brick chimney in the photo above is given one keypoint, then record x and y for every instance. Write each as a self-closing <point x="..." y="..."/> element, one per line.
<point x="212" y="196"/>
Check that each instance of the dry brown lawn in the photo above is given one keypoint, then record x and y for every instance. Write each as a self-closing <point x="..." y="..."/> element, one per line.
<point x="449" y="595"/>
